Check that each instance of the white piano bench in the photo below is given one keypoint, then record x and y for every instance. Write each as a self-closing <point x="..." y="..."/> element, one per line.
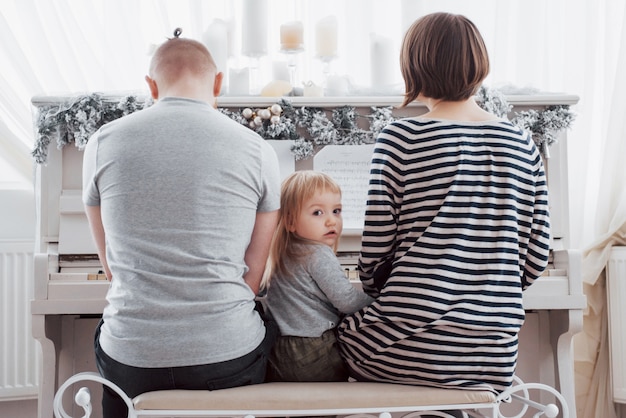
<point x="348" y="399"/>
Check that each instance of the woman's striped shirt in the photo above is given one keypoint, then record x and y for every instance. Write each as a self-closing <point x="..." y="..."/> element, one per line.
<point x="462" y="209"/>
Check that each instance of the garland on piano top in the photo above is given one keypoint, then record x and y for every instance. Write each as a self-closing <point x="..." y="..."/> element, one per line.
<point x="76" y="120"/>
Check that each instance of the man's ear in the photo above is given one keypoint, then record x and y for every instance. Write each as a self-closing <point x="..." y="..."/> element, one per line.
<point x="217" y="84"/>
<point x="154" y="89"/>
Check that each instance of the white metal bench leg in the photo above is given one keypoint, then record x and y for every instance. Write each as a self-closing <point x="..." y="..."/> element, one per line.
<point x="548" y="410"/>
<point x="83" y="397"/>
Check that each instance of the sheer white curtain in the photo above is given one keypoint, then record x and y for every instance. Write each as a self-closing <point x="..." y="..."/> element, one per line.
<point x="571" y="46"/>
<point x="70" y="46"/>
<point x="600" y="170"/>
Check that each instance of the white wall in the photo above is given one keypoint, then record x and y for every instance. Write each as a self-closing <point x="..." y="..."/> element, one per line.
<point x="17" y="214"/>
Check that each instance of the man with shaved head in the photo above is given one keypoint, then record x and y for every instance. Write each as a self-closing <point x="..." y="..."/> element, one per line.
<point x="182" y="202"/>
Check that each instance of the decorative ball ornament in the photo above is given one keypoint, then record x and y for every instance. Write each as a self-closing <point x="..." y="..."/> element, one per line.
<point x="247" y="113"/>
<point x="276" y="109"/>
<point x="256" y="118"/>
<point x="265" y="113"/>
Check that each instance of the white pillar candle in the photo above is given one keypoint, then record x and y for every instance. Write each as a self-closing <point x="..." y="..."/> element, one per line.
<point x="215" y="38"/>
<point x="382" y="60"/>
<point x="254" y="28"/>
<point x="291" y="36"/>
<point x="239" y="81"/>
<point x="326" y="37"/>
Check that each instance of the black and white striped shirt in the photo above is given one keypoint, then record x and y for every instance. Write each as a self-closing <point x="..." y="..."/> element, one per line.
<point x="462" y="209"/>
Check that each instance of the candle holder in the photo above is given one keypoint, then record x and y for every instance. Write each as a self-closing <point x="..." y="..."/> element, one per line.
<point x="254" y="84"/>
<point x="292" y="63"/>
<point x="326" y="61"/>
<point x="291" y="41"/>
<point x="326" y="43"/>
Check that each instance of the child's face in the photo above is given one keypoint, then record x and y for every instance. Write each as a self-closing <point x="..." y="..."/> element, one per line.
<point x="320" y="218"/>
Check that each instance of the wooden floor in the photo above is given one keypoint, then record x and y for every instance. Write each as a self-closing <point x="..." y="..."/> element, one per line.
<point x="18" y="409"/>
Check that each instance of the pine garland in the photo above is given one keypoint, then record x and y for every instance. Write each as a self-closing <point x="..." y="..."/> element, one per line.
<point x="309" y="127"/>
<point x="546" y="124"/>
<point x="76" y="120"/>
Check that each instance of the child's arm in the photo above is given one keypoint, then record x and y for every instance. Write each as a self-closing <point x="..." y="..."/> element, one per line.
<point x="330" y="277"/>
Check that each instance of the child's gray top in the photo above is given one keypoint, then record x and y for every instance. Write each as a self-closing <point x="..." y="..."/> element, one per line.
<point x="314" y="295"/>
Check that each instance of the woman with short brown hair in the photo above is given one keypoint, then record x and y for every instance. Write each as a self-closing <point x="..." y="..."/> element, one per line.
<point x="457" y="209"/>
<point x="443" y="57"/>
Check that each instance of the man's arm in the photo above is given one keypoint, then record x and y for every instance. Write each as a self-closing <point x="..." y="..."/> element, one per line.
<point x="259" y="248"/>
<point x="97" y="231"/>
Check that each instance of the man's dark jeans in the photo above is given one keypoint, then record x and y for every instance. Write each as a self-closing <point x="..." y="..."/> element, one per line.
<point x="246" y="370"/>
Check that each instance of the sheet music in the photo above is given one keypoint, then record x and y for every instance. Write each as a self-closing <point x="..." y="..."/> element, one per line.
<point x="349" y="165"/>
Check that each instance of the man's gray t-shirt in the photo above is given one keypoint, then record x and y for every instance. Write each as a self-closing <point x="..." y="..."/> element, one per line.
<point x="179" y="185"/>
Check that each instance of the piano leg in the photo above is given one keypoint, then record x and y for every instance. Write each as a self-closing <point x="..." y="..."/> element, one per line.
<point x="42" y="327"/>
<point x="564" y="325"/>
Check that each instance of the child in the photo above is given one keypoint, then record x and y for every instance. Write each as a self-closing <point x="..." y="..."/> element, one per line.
<point x="309" y="291"/>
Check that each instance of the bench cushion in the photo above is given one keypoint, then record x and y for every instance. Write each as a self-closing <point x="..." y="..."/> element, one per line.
<point x="309" y="395"/>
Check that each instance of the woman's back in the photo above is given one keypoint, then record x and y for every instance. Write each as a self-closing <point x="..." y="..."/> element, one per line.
<point x="458" y="202"/>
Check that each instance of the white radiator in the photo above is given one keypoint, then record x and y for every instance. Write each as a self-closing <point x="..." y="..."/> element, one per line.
<point x="616" y="298"/>
<point x="19" y="362"/>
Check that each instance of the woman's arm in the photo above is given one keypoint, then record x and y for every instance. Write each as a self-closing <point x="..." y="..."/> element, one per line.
<point x="379" y="231"/>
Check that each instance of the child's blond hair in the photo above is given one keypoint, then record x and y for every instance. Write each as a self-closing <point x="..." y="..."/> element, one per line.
<point x="296" y="189"/>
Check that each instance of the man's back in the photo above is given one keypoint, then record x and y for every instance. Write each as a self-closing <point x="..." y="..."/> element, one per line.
<point x="180" y="186"/>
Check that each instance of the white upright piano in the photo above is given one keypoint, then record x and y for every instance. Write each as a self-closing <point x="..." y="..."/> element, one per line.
<point x="69" y="293"/>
